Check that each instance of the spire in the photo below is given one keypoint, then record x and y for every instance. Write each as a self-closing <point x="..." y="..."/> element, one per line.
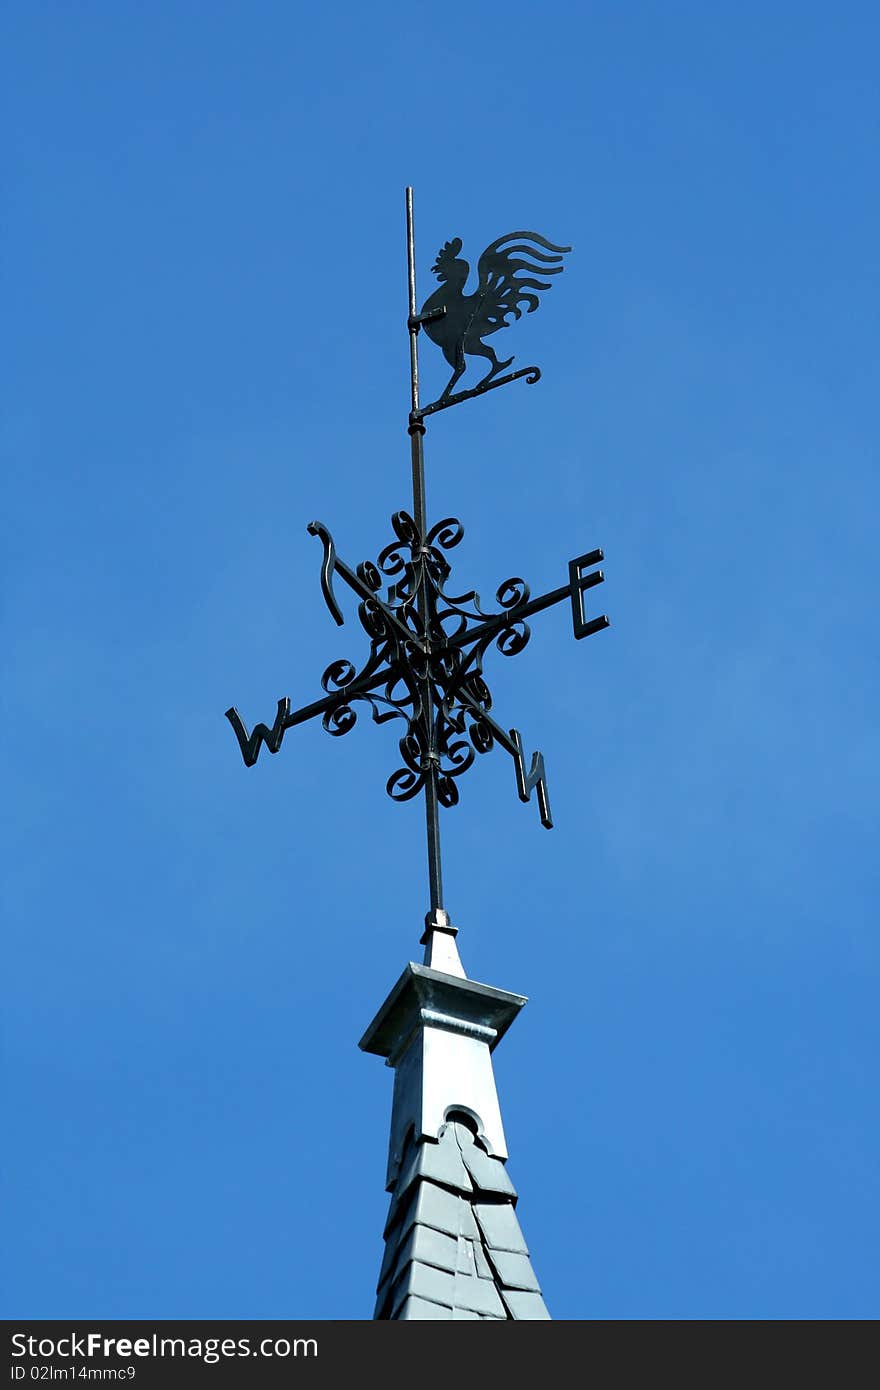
<point x="453" y="1243"/>
<point x="454" y="1248"/>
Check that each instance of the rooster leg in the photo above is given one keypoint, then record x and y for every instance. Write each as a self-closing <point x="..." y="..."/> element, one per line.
<point x="457" y="362"/>
<point x="483" y="350"/>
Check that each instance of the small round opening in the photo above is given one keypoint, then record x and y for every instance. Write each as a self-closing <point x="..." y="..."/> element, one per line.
<point x="463" y="1118"/>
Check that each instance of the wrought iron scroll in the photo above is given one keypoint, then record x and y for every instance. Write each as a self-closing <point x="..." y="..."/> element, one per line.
<point x="427" y="643"/>
<point x="428" y="673"/>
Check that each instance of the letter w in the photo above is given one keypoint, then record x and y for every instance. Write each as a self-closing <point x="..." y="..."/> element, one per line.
<point x="250" y="743"/>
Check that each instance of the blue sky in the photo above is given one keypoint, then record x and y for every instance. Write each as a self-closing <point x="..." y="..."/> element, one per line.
<point x="205" y="348"/>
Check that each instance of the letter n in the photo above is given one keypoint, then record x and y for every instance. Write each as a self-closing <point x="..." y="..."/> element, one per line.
<point x="525" y="781"/>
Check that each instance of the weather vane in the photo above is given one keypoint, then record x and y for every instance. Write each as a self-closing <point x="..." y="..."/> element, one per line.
<point x="425" y="663"/>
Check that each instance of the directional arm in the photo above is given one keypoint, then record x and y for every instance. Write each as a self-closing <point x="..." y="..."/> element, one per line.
<point x="355" y="581"/>
<point x="250" y="743"/>
<point x="430" y="678"/>
<point x="525" y="781"/>
<point x="577" y="584"/>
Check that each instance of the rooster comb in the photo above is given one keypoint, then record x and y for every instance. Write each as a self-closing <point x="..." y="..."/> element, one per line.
<point x="449" y="251"/>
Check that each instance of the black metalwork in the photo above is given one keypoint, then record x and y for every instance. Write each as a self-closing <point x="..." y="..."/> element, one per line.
<point x="458" y="322"/>
<point x="427" y="645"/>
<point x="429" y="674"/>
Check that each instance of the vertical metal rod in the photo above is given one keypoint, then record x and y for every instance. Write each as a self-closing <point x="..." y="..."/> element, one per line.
<point x="416" y="428"/>
<point x="411" y="273"/>
<point x="417" y="435"/>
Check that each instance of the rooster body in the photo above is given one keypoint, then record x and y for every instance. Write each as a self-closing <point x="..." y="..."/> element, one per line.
<point x="502" y="288"/>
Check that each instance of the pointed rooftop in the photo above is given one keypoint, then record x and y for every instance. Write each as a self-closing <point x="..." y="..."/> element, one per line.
<point x="453" y="1243"/>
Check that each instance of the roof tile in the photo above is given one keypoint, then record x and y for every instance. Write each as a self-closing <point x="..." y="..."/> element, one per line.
<point x="419" y="1308"/>
<point x="480" y="1295"/>
<point x="500" y="1227"/>
<point x="489" y="1174"/>
<point x="429" y="1247"/>
<point x="441" y="1162"/>
<point x="435" y="1285"/>
<point x="514" y="1271"/>
<point x="484" y="1269"/>
<point x="525" y="1306"/>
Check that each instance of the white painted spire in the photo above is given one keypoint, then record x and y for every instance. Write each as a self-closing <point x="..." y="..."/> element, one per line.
<point x="453" y="1245"/>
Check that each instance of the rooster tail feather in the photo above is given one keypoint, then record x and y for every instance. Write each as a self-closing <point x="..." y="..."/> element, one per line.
<point x="510" y="271"/>
<point x="530" y="239"/>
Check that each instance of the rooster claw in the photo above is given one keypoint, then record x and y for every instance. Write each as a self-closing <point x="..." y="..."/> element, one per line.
<point x="498" y="367"/>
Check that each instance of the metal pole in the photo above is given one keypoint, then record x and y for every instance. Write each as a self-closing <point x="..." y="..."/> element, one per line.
<point x="416" y="428"/>
<point x="417" y="435"/>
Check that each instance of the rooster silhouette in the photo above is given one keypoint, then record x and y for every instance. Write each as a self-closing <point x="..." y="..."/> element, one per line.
<point x="502" y="288"/>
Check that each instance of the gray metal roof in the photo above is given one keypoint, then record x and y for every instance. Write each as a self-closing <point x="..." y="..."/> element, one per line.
<point x="453" y="1244"/>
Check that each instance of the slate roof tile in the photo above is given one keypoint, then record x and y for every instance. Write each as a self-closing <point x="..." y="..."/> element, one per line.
<point x="424" y="1281"/>
<point x="484" y="1269"/>
<point x="442" y="1163"/>
<point x="480" y="1295"/>
<point x="465" y="1256"/>
<point x="514" y="1271"/>
<point x="434" y="1206"/>
<point x="420" y="1309"/>
<point x="525" y="1306"/>
<point x="454" y="1248"/>
<point x="500" y="1227"/>
<point x="397" y="1210"/>
<point x="488" y="1174"/>
<point x="428" y="1246"/>
<point x="469" y="1228"/>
